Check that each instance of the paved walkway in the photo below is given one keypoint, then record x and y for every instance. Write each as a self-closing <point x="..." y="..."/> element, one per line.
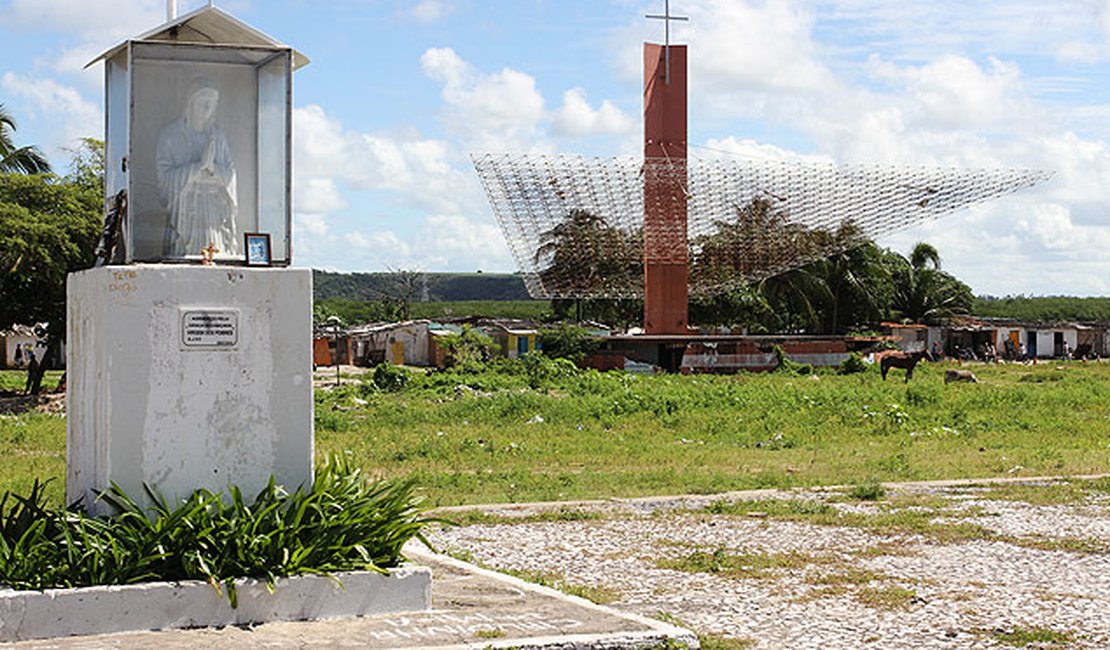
<point x="931" y="565"/>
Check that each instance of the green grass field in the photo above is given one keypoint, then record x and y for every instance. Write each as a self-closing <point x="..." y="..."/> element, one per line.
<point x="530" y="431"/>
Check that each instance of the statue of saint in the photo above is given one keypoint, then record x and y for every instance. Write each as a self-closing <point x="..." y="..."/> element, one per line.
<point x="196" y="177"/>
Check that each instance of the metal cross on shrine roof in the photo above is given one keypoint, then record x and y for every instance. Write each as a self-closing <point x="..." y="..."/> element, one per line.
<point x="666" y="17"/>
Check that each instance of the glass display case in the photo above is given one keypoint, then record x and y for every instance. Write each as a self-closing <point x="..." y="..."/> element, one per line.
<point x="199" y="137"/>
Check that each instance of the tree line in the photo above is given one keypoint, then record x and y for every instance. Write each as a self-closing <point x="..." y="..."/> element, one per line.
<point x="757" y="270"/>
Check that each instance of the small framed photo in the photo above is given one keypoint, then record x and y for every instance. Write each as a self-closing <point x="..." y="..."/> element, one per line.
<point x="258" y="248"/>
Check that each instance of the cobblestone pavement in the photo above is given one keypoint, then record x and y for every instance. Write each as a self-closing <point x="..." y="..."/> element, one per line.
<point x="922" y="567"/>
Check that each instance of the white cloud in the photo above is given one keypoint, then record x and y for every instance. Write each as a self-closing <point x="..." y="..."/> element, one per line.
<point x="420" y="171"/>
<point x="382" y="182"/>
<point x="383" y="244"/>
<point x="89" y="28"/>
<point x="310" y="224"/>
<point x="577" y="118"/>
<point x="457" y="242"/>
<point x="756" y="46"/>
<point x="109" y="19"/>
<point x="319" y="196"/>
<point x="72" y="115"/>
<point x="1049" y="226"/>
<point x="1030" y="27"/>
<point x="749" y="148"/>
<point x="429" y="11"/>
<point x="440" y="242"/>
<point x="491" y="112"/>
<point x="954" y="92"/>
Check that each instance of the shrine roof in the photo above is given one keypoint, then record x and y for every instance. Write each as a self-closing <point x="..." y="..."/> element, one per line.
<point x="208" y="26"/>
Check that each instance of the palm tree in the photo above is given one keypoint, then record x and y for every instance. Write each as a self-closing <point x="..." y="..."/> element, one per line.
<point x="858" y="287"/>
<point x="22" y="160"/>
<point x="923" y="293"/>
<point x="583" y="256"/>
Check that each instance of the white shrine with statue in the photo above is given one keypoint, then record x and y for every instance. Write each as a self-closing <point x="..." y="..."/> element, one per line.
<point x="189" y="353"/>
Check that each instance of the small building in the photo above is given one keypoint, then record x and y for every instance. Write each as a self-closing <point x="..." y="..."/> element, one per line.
<point x="908" y="337"/>
<point x="1053" y="340"/>
<point x="515" y="338"/>
<point x="1009" y="336"/>
<point x="1091" y="340"/>
<point x="18" y="343"/>
<point x="437" y="351"/>
<point x="330" y="347"/>
<point x="968" y="337"/>
<point x="402" y="344"/>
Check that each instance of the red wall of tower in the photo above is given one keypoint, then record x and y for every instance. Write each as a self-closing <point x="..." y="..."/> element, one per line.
<point x="665" y="174"/>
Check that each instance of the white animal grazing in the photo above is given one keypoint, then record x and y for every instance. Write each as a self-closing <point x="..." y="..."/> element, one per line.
<point x="960" y="375"/>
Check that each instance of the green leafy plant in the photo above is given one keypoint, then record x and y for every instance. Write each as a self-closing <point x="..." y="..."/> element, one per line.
<point x="343" y="522"/>
<point x="544" y="372"/>
<point x="872" y="490"/>
<point x="786" y="365"/>
<point x="390" y="378"/>
<point x="565" y="341"/>
<point x="468" y="348"/>
<point x="853" y="364"/>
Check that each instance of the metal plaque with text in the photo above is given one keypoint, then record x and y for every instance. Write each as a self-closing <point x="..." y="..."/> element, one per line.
<point x="209" y="328"/>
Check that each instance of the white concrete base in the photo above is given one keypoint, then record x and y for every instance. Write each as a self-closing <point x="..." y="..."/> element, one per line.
<point x="168" y="605"/>
<point x="187" y="377"/>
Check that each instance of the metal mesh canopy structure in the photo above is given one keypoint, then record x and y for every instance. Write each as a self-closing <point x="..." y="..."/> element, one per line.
<point x="575" y="224"/>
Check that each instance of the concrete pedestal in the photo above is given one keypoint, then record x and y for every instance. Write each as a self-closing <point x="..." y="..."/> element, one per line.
<point x="186" y="377"/>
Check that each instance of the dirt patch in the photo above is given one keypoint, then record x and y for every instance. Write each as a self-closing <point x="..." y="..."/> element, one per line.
<point x="54" y="404"/>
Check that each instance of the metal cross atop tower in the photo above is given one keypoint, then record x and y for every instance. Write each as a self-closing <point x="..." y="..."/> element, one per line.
<point x="666" y="17"/>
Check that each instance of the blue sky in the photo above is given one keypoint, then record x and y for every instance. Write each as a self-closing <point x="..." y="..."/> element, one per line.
<point x="399" y="93"/>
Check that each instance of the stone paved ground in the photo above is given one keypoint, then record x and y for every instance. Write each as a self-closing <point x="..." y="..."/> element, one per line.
<point x="987" y="573"/>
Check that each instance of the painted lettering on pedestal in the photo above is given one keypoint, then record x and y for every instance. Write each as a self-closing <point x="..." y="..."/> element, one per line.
<point x="209" y="328"/>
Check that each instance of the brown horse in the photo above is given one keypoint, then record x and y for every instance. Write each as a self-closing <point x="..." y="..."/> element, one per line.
<point x="899" y="359"/>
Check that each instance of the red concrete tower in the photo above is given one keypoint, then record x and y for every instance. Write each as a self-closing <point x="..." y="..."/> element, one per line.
<point x="665" y="173"/>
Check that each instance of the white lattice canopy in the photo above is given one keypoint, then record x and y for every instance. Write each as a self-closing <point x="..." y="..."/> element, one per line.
<point x="575" y="225"/>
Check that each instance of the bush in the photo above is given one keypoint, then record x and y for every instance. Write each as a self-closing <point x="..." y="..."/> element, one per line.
<point x="853" y="364"/>
<point x="390" y="378"/>
<point x="469" y="348"/>
<point x="343" y="523"/>
<point x="788" y="366"/>
<point x="565" y="341"/>
<point x="543" y="372"/>
<point x="872" y="490"/>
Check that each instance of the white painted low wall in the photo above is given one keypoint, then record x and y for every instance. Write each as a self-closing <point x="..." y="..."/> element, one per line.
<point x="167" y="605"/>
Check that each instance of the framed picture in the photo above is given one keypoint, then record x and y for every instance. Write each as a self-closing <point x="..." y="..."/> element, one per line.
<point x="258" y="248"/>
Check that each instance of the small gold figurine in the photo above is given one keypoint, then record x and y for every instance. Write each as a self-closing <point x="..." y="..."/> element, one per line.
<point x="208" y="254"/>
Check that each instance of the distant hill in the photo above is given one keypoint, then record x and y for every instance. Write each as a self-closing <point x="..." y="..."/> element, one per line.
<point x="440" y="287"/>
<point x="1044" y="309"/>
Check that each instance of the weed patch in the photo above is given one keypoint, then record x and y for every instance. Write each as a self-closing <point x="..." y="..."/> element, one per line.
<point x="1071" y="492"/>
<point x="887" y="521"/>
<point x="479" y="518"/>
<point x="869" y="491"/>
<point x="886" y="597"/>
<point x="1041" y="637"/>
<point x="1084" y="545"/>
<point x="740" y="565"/>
